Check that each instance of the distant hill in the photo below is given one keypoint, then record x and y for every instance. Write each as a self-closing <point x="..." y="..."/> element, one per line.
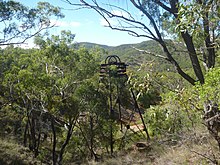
<point x="131" y="56"/>
<point x="90" y="45"/>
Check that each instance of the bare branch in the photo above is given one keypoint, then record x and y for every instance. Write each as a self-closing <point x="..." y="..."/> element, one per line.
<point x="212" y="118"/>
<point x="150" y="53"/>
<point x="139" y="28"/>
<point x="103" y="12"/>
<point x="140" y="7"/>
<point x="7" y="42"/>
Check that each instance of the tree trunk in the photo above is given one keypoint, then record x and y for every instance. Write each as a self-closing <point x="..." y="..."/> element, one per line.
<point x="69" y="134"/>
<point x="91" y="134"/>
<point x="210" y="58"/>
<point x="212" y="120"/>
<point x="91" y="140"/>
<point x="36" y="150"/>
<point x="190" y="46"/>
<point x="60" y="157"/>
<point x="25" y="134"/>
<point x="174" y="62"/>
<point x="193" y="56"/>
<point x="32" y="140"/>
<point x="54" y="141"/>
<point x="209" y="45"/>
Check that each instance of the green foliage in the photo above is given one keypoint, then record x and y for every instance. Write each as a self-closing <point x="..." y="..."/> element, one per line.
<point x="19" y="23"/>
<point x="134" y="58"/>
<point x="142" y="82"/>
<point x="62" y="81"/>
<point x="180" y="110"/>
<point x="210" y="91"/>
<point x="192" y="16"/>
<point x="44" y="81"/>
<point x="165" y="119"/>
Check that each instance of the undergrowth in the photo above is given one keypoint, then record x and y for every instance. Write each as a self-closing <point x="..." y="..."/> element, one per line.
<point x="195" y="147"/>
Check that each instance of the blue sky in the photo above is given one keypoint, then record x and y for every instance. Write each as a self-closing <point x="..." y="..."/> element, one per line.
<point x="87" y="25"/>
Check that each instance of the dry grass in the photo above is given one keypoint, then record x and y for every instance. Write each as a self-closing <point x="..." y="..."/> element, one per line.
<point x="14" y="154"/>
<point x="196" y="147"/>
<point x="192" y="148"/>
<point x="184" y="154"/>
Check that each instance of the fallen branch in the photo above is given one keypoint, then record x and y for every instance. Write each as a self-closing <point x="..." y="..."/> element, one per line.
<point x="212" y="118"/>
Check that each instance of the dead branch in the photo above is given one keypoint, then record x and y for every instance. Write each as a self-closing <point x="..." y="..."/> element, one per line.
<point x="212" y="118"/>
<point x="150" y="53"/>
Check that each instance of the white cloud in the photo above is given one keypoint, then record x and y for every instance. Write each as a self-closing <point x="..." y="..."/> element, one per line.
<point x="65" y="23"/>
<point x="75" y="24"/>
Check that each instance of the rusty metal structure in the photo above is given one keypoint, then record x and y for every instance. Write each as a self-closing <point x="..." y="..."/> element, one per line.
<point x="113" y="74"/>
<point x="113" y="68"/>
<point x="106" y="69"/>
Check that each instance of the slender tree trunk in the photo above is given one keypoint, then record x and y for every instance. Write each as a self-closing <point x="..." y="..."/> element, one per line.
<point x="69" y="134"/>
<point x="38" y="143"/>
<point x="54" y="141"/>
<point x="91" y="135"/>
<point x="25" y="134"/>
<point x="193" y="56"/>
<point x="33" y="136"/>
<point x="32" y="132"/>
<point x="210" y="58"/>
<point x="208" y="43"/>
<point x="190" y="47"/>
<point x="87" y="143"/>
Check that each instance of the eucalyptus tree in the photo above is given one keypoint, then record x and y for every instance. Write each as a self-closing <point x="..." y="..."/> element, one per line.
<point x="68" y="70"/>
<point x="22" y="88"/>
<point x="19" y="22"/>
<point x="59" y="62"/>
<point x="42" y="83"/>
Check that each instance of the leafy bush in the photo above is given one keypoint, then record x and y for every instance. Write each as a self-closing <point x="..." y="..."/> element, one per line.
<point x="177" y="112"/>
<point x="210" y="91"/>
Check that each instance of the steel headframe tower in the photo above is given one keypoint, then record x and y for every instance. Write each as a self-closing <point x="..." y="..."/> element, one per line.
<point x="113" y="68"/>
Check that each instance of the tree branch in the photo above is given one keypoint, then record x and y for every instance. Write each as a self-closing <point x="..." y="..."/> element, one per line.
<point x="103" y="12"/>
<point x="164" y="6"/>
<point x="150" y="53"/>
<point x="7" y="42"/>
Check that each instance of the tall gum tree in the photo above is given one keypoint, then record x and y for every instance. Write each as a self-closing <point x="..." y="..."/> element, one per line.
<point x="191" y="21"/>
<point x="19" y="22"/>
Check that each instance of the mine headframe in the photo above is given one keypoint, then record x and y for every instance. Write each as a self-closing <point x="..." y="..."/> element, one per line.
<point x="113" y="67"/>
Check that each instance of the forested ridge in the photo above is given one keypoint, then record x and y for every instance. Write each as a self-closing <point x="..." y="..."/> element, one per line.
<point x="129" y="53"/>
<point x="155" y="102"/>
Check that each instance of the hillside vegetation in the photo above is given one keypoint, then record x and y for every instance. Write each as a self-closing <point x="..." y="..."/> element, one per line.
<point x="132" y="55"/>
<point x="155" y="102"/>
<point x="55" y="108"/>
